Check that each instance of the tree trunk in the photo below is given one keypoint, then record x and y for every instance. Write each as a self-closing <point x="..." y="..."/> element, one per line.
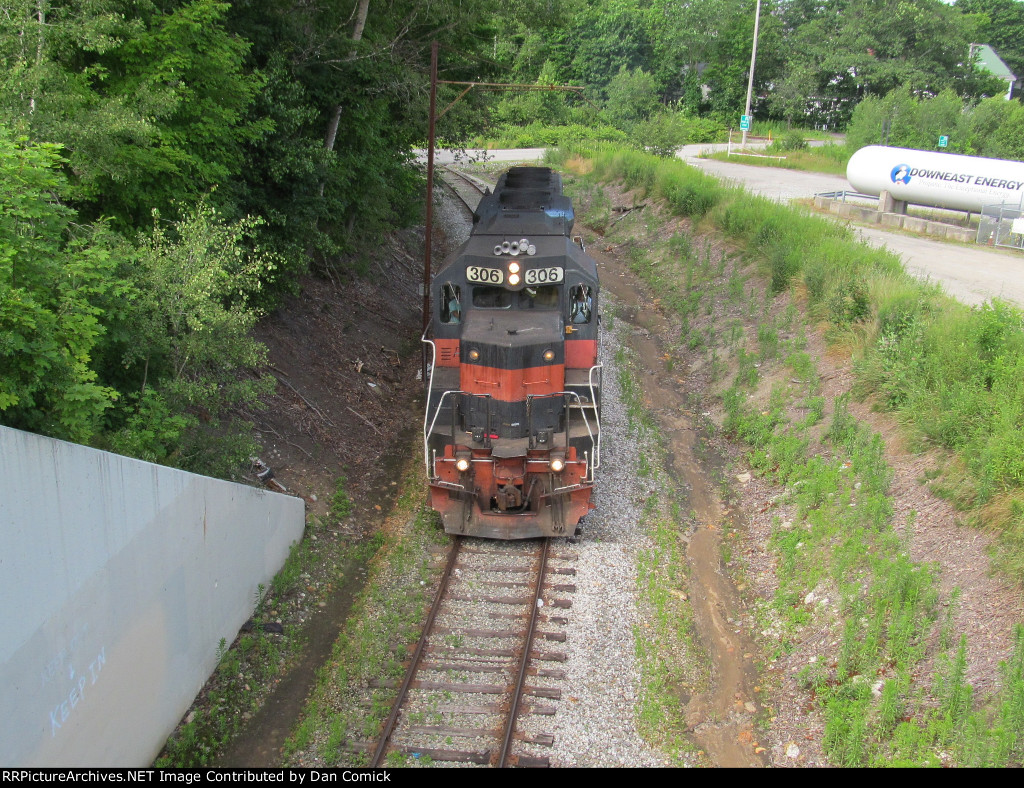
<point x="357" y="35"/>
<point x="41" y="18"/>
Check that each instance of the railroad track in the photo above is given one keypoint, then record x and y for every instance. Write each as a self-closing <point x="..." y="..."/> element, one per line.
<point x="467" y="188"/>
<point x="480" y="665"/>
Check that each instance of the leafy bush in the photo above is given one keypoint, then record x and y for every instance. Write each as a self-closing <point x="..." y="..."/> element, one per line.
<point x="662" y="134"/>
<point x="56" y="280"/>
<point x="789" y="141"/>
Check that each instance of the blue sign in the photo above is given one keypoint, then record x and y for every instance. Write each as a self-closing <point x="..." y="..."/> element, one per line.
<point x="744" y="122"/>
<point x="943" y="141"/>
<point x="900" y="174"/>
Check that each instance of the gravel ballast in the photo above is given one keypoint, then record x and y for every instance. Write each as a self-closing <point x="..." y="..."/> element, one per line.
<point x="595" y="725"/>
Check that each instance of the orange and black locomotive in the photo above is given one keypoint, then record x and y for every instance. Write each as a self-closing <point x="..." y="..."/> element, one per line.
<point x="512" y="433"/>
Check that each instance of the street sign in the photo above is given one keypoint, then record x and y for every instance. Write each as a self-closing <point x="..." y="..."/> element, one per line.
<point x="943" y="141"/>
<point x="744" y="122"/>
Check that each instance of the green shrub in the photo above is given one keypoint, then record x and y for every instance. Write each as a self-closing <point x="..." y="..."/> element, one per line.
<point x="789" y="141"/>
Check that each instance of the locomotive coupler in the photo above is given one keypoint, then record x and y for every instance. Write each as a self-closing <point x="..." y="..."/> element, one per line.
<point x="509" y="497"/>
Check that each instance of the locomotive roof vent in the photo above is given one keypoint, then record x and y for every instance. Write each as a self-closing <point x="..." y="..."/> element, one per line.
<point x="525" y="199"/>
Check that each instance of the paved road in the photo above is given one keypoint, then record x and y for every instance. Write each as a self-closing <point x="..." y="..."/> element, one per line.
<point x="972" y="274"/>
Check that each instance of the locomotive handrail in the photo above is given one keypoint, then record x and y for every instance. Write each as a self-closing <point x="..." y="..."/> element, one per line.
<point x="597" y="415"/>
<point x="427" y="431"/>
<point x="586" y="423"/>
<point x="426" y="411"/>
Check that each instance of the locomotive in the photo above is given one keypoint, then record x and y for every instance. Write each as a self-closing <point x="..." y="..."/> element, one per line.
<point x="512" y="434"/>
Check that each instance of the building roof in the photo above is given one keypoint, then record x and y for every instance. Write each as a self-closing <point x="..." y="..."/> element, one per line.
<point x="991" y="62"/>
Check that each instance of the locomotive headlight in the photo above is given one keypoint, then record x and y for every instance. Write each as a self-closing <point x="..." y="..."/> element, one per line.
<point x="557" y="464"/>
<point x="513" y="268"/>
<point x="513" y="279"/>
<point x="549" y="355"/>
<point x="474" y="355"/>
<point x="462" y="464"/>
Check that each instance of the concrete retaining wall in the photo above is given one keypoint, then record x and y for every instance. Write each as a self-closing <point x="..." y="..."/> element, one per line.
<point x="895" y="221"/>
<point x="118" y="580"/>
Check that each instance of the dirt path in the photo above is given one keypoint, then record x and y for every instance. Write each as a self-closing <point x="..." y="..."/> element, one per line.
<point x="723" y="720"/>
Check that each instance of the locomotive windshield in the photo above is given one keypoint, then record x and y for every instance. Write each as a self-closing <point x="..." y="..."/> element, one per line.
<point x="540" y="297"/>
<point x="492" y="298"/>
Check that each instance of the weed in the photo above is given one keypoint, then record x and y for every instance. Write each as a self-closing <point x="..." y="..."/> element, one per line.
<point x="768" y="341"/>
<point x="341" y="503"/>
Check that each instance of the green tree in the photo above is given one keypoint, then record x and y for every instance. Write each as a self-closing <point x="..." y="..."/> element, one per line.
<point x="609" y="36"/>
<point x="186" y="343"/>
<point x="792" y="96"/>
<point x="727" y="74"/>
<point x="1000" y="24"/>
<point x="632" y="97"/>
<point x="149" y="102"/>
<point x="996" y="129"/>
<point x="993" y="128"/>
<point x="185" y="71"/>
<point x="54" y="278"/>
<point x="548" y="107"/>
<point x="685" y="39"/>
<point x="858" y="48"/>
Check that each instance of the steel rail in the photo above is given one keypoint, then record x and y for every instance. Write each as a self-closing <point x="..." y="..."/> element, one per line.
<point x="450" y="175"/>
<point x="517" y="692"/>
<point x="389" y="723"/>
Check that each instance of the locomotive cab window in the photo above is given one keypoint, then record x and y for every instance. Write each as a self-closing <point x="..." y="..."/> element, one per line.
<point x="451" y="304"/>
<point x="581" y="304"/>
<point x="492" y="297"/>
<point x="539" y="297"/>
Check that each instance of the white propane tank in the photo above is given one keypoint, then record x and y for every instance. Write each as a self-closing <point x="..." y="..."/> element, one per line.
<point x="941" y="180"/>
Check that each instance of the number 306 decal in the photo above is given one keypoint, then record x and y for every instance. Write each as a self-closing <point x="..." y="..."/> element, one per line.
<point x="491" y="276"/>
<point x="543" y="276"/>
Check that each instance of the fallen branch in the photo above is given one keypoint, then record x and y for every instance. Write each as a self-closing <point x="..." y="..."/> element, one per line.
<point x="360" y="415"/>
<point x="312" y="407"/>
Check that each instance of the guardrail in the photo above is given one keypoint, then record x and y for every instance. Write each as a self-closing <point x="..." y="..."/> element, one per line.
<point x="842" y="195"/>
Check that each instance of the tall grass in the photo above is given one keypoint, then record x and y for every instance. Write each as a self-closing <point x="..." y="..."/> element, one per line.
<point x="830" y="159"/>
<point x="953" y="373"/>
<point x="950" y="371"/>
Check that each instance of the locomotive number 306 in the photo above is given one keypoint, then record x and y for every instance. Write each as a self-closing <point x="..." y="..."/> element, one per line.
<point x="543" y="276"/>
<point x="491" y="276"/>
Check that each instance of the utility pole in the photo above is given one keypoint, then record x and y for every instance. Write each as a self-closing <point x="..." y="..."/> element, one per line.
<point x="750" y="78"/>
<point x="430" y="194"/>
<point x="431" y="139"/>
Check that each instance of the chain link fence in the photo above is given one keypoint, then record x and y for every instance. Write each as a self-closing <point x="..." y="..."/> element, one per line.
<point x="1002" y="225"/>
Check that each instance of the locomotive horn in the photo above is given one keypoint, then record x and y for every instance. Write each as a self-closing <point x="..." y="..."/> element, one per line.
<point x="513" y="248"/>
<point x="505" y="247"/>
<point x="497" y="249"/>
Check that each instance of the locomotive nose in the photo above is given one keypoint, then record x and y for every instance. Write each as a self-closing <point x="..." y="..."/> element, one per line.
<point x="512" y="340"/>
<point x="512" y="370"/>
